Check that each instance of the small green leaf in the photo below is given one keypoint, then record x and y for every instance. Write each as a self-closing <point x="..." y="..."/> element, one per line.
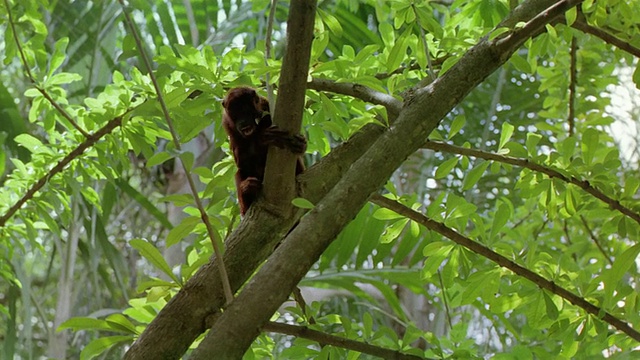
<point x="520" y="63"/>
<point x="571" y="15"/>
<point x="187" y="159"/>
<point x="531" y="142"/>
<point x="621" y="265"/>
<point x="59" y="54"/>
<point x="182" y="230"/>
<point x="636" y="76"/>
<point x="445" y="168"/>
<point x="505" y="134"/>
<point x="392" y="232"/>
<point x="456" y="125"/>
<point x="152" y="254"/>
<point x="590" y="143"/>
<point x="158" y="159"/>
<point x="552" y="310"/>
<point x="474" y="175"/>
<point x="85" y="323"/>
<point x="332" y="22"/>
<point x="386" y="214"/>
<point x="570" y="201"/>
<point x="302" y="203"/>
<point x="63" y="78"/>
<point x="502" y="215"/>
<point x="119" y="322"/>
<point x="31" y="143"/>
<point x="497" y="32"/>
<point x="100" y="345"/>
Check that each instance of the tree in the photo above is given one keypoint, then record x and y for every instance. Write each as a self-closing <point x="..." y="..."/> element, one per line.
<point x="498" y="200"/>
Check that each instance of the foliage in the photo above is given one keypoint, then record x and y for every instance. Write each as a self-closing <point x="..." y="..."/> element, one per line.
<point x="548" y="187"/>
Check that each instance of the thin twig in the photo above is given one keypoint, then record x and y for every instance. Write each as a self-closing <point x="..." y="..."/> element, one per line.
<point x="595" y="240"/>
<point x="519" y="270"/>
<point x="526" y="163"/>
<point x="267" y="54"/>
<point x="46" y="95"/>
<point x="297" y="296"/>
<point x="582" y="25"/>
<point x="444" y="300"/>
<point x="361" y="92"/>
<point x="176" y="141"/>
<point x="573" y="74"/>
<point x="327" y="339"/>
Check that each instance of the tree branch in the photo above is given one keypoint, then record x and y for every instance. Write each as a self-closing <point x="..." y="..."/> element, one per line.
<point x="327" y="339"/>
<point x="279" y="186"/>
<point x="358" y="91"/>
<point x="582" y="25"/>
<point x="583" y="184"/>
<point x="480" y="249"/>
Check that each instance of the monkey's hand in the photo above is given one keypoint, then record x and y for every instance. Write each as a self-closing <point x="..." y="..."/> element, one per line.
<point x="273" y="135"/>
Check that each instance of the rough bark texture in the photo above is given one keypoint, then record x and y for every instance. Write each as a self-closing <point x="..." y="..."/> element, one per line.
<point x="279" y="178"/>
<point x="379" y="153"/>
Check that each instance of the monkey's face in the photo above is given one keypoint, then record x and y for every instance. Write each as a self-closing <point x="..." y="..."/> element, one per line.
<point x="242" y="105"/>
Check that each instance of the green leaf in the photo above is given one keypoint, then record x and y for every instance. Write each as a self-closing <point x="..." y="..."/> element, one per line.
<point x="187" y="159"/>
<point x="100" y="345"/>
<point x="31" y="143"/>
<point x="158" y="159"/>
<point x="456" y="125"/>
<point x="85" y="323"/>
<point x="392" y="232"/>
<point x="532" y="141"/>
<point x="497" y="32"/>
<point x="446" y="167"/>
<point x="151" y="253"/>
<point x="398" y="52"/>
<point x="505" y="134"/>
<point x="621" y="265"/>
<point x="520" y="63"/>
<point x="552" y="310"/>
<point x="386" y="214"/>
<point x="59" y="55"/>
<point x="570" y="201"/>
<point x="302" y="203"/>
<point x="590" y="143"/>
<point x="474" y="175"/>
<point x="571" y="15"/>
<point x="119" y="322"/>
<point x="332" y="23"/>
<point x="500" y="219"/>
<point x="636" y="76"/>
<point x="182" y="230"/>
<point x="63" y="78"/>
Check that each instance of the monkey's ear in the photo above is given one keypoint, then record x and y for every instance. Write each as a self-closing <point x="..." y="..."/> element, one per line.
<point x="225" y="101"/>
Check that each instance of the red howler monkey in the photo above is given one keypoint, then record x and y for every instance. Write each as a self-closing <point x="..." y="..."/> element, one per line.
<point x="247" y="121"/>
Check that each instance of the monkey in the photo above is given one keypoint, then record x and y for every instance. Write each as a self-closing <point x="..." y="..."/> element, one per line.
<point x="247" y="121"/>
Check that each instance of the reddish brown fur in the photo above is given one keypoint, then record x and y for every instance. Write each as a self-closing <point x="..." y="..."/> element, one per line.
<point x="247" y="121"/>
